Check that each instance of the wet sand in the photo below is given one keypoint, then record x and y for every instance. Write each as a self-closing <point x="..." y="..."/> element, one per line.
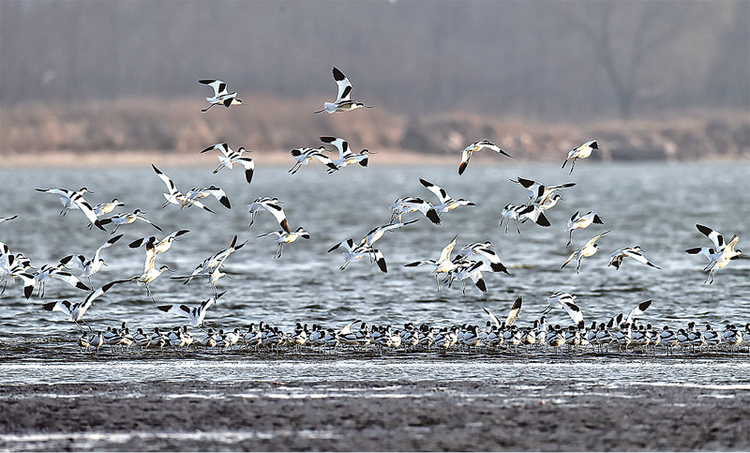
<point x="341" y="415"/>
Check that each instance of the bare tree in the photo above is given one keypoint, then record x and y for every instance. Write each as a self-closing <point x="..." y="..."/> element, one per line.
<point x="657" y="24"/>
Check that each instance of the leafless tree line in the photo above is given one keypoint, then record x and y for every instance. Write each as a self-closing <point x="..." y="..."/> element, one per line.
<point x="542" y="59"/>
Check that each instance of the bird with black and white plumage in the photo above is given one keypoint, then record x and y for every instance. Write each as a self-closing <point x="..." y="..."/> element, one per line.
<point x="175" y="196"/>
<point x="221" y="96"/>
<point x="519" y="214"/>
<point x="76" y="311"/>
<point x="16" y="266"/>
<point x="158" y="246"/>
<point x="447" y="202"/>
<point x="588" y="249"/>
<point x="405" y="205"/>
<point x="128" y="218"/>
<point x="272" y="205"/>
<point x="286" y="238"/>
<point x="466" y="269"/>
<point x="467" y="152"/>
<point x="353" y="253"/>
<point x="580" y="222"/>
<point x="580" y="152"/>
<point x="92" y="266"/>
<point x="73" y="199"/>
<point x="718" y="257"/>
<point x="343" y="102"/>
<point x="365" y="248"/>
<point x="304" y="155"/>
<point x="566" y="301"/>
<point x="635" y="252"/>
<point x="202" y="192"/>
<point x="442" y="265"/>
<point x="211" y="266"/>
<point x="196" y="314"/>
<point x="485" y="252"/>
<point x="346" y="155"/>
<point x="106" y="207"/>
<point x="49" y="272"/>
<point x="540" y="193"/>
<point x="229" y="157"/>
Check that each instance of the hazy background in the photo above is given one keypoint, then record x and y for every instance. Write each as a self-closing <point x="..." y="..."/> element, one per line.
<point x="658" y="78"/>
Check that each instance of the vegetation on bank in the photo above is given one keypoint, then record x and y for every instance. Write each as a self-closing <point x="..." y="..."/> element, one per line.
<point x="278" y="124"/>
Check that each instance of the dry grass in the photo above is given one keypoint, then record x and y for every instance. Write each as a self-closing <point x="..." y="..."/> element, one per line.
<point x="83" y="132"/>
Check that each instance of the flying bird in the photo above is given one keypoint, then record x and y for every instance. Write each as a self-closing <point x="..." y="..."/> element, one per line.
<point x="229" y="157"/>
<point x="303" y="156"/>
<point x="221" y="96"/>
<point x="616" y="257"/>
<point x="589" y="249"/>
<point x="718" y="257"/>
<point x="580" y="152"/>
<point x="579" y="222"/>
<point x="272" y="205"/>
<point x="195" y="315"/>
<point x="343" y="102"/>
<point x="474" y="147"/>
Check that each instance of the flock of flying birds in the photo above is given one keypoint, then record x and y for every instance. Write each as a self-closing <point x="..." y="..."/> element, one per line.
<point x="469" y="263"/>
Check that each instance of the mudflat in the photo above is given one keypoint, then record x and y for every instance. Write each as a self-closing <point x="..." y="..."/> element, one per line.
<point x="345" y="415"/>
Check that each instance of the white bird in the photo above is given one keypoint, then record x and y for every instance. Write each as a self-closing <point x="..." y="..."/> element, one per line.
<point x="354" y="253"/>
<point x="579" y="222"/>
<point x="442" y="265"/>
<point x="566" y="302"/>
<point x="16" y="266"/>
<point x="589" y="249"/>
<point x="76" y="311"/>
<point x="211" y="266"/>
<point x="48" y="272"/>
<point x="515" y="310"/>
<point x="521" y="213"/>
<point x="447" y="202"/>
<point x="272" y="205"/>
<point x="474" y="147"/>
<point x="175" y="196"/>
<point x="405" y="205"/>
<point x="202" y="192"/>
<point x="71" y="199"/>
<point x="718" y="257"/>
<point x="303" y="156"/>
<point x="124" y="219"/>
<point x="229" y="157"/>
<point x="92" y="266"/>
<point x="580" y="152"/>
<point x="346" y="155"/>
<point x="616" y="257"/>
<point x="540" y="193"/>
<point x="160" y="246"/>
<point x="286" y="238"/>
<point x="107" y="207"/>
<point x="195" y="315"/>
<point x="485" y="252"/>
<point x="343" y="102"/>
<point x="378" y="232"/>
<point x="221" y="96"/>
<point x="467" y="269"/>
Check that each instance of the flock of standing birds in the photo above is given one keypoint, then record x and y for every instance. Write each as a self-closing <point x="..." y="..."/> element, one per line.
<point x="469" y="263"/>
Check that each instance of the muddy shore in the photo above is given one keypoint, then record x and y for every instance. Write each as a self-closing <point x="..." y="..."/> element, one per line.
<point x="342" y="415"/>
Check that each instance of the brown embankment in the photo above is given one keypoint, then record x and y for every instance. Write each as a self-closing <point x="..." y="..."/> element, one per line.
<point x="276" y="125"/>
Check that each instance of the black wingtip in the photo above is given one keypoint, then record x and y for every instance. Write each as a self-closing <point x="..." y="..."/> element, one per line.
<point x="462" y="167"/>
<point x="433" y="216"/>
<point x="249" y="176"/>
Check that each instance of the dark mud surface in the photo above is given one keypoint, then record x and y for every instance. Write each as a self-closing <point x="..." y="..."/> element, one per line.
<point x="341" y="415"/>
